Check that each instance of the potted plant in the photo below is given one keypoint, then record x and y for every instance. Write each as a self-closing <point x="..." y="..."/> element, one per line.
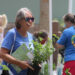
<point x="41" y="54"/>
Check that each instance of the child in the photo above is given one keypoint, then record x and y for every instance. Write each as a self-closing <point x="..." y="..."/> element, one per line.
<point x="41" y="34"/>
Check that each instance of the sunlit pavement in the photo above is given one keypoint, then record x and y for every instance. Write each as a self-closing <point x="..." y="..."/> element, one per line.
<point x="54" y="72"/>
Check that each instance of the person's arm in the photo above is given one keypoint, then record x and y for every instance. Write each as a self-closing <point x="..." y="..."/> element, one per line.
<point x="8" y="58"/>
<point x="62" y="41"/>
<point x="59" y="46"/>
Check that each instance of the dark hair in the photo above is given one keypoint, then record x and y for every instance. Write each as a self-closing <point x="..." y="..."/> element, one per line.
<point x="41" y="34"/>
<point x="69" y="18"/>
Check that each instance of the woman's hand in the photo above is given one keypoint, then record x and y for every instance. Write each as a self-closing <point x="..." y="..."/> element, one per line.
<point x="8" y="58"/>
<point x="25" y="65"/>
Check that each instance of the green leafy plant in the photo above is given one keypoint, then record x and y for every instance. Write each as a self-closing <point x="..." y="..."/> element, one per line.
<point x="67" y="72"/>
<point x="54" y="66"/>
<point x="54" y="38"/>
<point x="4" y="67"/>
<point x="41" y="52"/>
<point x="46" y="69"/>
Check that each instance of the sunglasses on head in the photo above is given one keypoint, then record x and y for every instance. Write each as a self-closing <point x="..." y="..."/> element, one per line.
<point x="28" y="19"/>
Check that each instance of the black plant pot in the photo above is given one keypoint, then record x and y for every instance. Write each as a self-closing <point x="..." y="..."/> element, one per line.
<point x="5" y="72"/>
<point x="35" y="71"/>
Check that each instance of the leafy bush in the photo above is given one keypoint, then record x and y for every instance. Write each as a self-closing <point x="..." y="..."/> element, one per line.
<point x="54" y="38"/>
<point x="41" y="52"/>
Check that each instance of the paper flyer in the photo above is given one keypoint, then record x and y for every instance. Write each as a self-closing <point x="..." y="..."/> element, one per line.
<point x="22" y="53"/>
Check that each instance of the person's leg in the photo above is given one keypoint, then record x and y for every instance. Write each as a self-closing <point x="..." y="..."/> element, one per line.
<point x="64" y="70"/>
<point x="71" y="66"/>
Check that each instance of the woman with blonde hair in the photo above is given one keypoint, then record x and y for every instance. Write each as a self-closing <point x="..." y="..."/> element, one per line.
<point x="3" y="20"/>
<point x="3" y="23"/>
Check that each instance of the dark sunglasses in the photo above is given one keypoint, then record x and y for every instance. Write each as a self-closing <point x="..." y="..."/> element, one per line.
<point x="28" y="19"/>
